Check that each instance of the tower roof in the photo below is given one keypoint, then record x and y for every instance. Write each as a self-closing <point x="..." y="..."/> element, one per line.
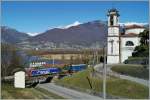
<point x="113" y="11"/>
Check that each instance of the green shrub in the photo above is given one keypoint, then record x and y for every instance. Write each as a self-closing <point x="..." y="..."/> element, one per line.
<point x="137" y="60"/>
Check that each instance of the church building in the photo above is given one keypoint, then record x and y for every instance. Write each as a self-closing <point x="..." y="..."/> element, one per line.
<point x="120" y="45"/>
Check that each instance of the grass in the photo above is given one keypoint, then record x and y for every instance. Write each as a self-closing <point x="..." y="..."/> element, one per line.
<point x="132" y="70"/>
<point x="9" y="92"/>
<point x="115" y="86"/>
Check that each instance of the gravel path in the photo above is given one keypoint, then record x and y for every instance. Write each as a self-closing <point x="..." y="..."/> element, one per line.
<point x="67" y="93"/>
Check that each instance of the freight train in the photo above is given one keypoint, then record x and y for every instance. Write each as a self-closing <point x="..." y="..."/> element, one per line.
<point x="54" y="70"/>
<point x="43" y="74"/>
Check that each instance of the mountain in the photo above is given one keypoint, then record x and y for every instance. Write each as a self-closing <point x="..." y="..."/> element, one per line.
<point x="83" y="34"/>
<point x="12" y="36"/>
<point x="77" y="35"/>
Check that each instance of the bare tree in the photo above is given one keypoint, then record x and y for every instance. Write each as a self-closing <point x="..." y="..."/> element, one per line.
<point x="9" y="59"/>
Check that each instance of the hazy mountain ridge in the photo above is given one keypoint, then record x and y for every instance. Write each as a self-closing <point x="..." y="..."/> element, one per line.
<point x="86" y="33"/>
<point x="90" y="34"/>
<point x="12" y="36"/>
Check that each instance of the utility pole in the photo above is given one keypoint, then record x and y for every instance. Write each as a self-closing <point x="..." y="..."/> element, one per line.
<point x="93" y="57"/>
<point x="97" y="57"/>
<point x="53" y="61"/>
<point x="104" y="73"/>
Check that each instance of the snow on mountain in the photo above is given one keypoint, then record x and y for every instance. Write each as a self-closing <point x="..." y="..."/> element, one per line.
<point x="73" y="24"/>
<point x="33" y="34"/>
<point x="76" y="23"/>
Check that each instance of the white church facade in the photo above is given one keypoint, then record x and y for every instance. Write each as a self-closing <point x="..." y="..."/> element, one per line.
<point x="120" y="45"/>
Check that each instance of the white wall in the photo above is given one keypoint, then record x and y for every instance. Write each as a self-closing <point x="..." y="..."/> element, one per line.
<point x="115" y="46"/>
<point x="126" y="51"/>
<point x="135" y="30"/>
<point x="113" y="31"/>
<point x="112" y="59"/>
<point x="135" y="40"/>
<point x="19" y="79"/>
<point x="116" y="21"/>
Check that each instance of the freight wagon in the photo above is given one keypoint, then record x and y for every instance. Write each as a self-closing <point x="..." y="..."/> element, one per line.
<point x="79" y="67"/>
<point x="75" y="68"/>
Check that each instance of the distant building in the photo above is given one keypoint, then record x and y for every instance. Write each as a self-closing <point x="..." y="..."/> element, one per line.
<point x="36" y="61"/>
<point x="120" y="45"/>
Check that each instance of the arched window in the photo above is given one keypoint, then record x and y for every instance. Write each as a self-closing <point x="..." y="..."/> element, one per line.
<point x="129" y="43"/>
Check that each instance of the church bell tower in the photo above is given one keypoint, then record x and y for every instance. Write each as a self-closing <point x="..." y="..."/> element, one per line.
<point x="113" y="40"/>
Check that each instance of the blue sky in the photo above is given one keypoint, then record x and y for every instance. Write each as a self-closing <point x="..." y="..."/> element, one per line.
<point x="39" y="16"/>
